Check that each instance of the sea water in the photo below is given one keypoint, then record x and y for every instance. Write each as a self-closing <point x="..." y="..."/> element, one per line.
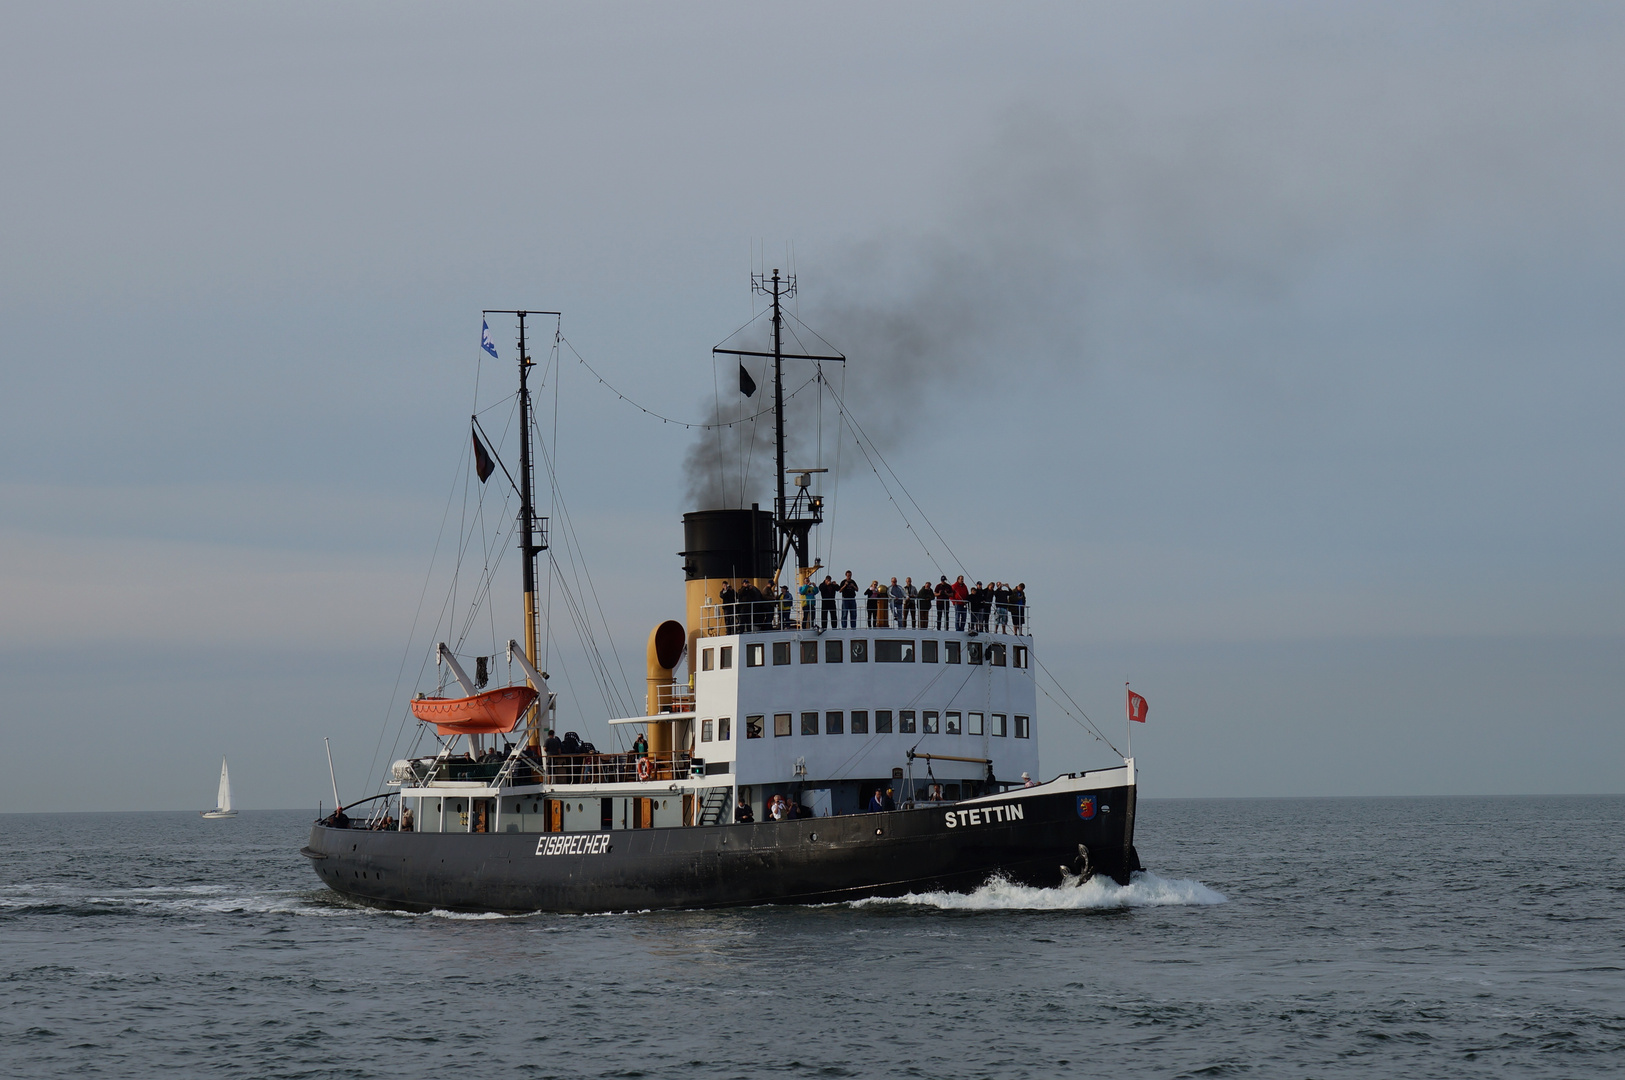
<point x="1269" y="938"/>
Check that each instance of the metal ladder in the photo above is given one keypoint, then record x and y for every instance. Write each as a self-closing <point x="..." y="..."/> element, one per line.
<point x="713" y="811"/>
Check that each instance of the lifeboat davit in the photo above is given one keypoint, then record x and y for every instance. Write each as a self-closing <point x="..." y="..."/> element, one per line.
<point x="491" y="713"/>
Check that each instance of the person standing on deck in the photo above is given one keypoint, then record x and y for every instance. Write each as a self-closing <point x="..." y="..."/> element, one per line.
<point x="896" y="593"/>
<point x="1001" y="606"/>
<point x="727" y="596"/>
<point x="809" y="604"/>
<point x="960" y="595"/>
<point x="944" y="592"/>
<point x="849" y="602"/>
<point x="826" y="592"/>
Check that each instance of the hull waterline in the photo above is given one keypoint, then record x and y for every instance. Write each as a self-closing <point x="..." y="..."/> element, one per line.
<point x="1029" y="836"/>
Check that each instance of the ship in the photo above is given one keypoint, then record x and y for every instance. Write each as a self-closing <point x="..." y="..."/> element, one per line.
<point x="785" y="753"/>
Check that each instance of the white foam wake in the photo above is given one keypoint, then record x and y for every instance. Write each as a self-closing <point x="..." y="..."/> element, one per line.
<point x="1099" y="892"/>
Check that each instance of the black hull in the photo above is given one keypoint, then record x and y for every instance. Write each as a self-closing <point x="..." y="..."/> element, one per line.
<point x="1025" y="836"/>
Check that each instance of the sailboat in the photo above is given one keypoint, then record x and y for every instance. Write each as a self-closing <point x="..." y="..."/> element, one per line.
<point x="223" y="798"/>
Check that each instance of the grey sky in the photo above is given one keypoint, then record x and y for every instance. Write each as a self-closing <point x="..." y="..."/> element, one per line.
<point x="1277" y="347"/>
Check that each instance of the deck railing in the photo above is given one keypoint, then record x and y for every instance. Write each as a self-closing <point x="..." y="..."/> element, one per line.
<point x="559" y="769"/>
<point x="761" y="617"/>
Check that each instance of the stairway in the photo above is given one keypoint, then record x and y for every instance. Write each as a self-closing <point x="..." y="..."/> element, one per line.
<point x="714" y="810"/>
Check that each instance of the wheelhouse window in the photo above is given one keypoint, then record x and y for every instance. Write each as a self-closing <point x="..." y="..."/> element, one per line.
<point x="860" y="651"/>
<point x="1019" y="656"/>
<point x="882" y="721"/>
<point x="754" y="653"/>
<point x="995" y="654"/>
<point x="781" y="653"/>
<point x="928" y="652"/>
<point x="809" y="652"/>
<point x="781" y="724"/>
<point x="974" y="649"/>
<point x="706" y="728"/>
<point x="999" y="727"/>
<point x="833" y="651"/>
<point x="809" y="723"/>
<point x="953" y="651"/>
<point x="725" y="729"/>
<point x="905" y="721"/>
<point x="708" y="659"/>
<point x="975" y="725"/>
<point x="834" y="723"/>
<point x="860" y="721"/>
<point x="753" y="726"/>
<point x="931" y="723"/>
<point x="727" y="657"/>
<point x="1023" y="727"/>
<point x="894" y="652"/>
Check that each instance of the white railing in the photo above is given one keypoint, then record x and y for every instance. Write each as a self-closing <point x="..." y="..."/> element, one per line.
<point x="767" y="616"/>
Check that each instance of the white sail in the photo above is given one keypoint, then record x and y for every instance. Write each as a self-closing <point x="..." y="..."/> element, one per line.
<point x="223" y="799"/>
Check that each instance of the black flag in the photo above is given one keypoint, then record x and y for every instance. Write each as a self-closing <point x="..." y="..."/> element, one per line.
<point x="483" y="465"/>
<point x="747" y="385"/>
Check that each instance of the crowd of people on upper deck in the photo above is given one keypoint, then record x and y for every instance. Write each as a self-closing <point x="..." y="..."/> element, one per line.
<point x="995" y="607"/>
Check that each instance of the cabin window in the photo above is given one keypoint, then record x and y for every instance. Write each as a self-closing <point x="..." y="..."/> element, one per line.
<point x="975" y="650"/>
<point x="727" y="657"/>
<point x="834" y="723"/>
<point x="950" y="792"/>
<point x="809" y="652"/>
<point x="725" y="729"/>
<point x="998" y="726"/>
<point x="754" y="653"/>
<point x="931" y="727"/>
<point x="832" y="651"/>
<point x="953" y="651"/>
<point x="894" y="652"/>
<point x="860" y="651"/>
<point x="995" y="654"/>
<point x="781" y="724"/>
<point x="781" y="653"/>
<point x="905" y="721"/>
<point x="708" y="659"/>
<point x="860" y="721"/>
<point x="953" y="726"/>
<point x="753" y="726"/>
<point x="974" y="727"/>
<point x="705" y="730"/>
<point x="809" y="723"/>
<point x="1023" y="727"/>
<point x="882" y="721"/>
<point x="928" y="652"/>
<point x="1020" y="659"/>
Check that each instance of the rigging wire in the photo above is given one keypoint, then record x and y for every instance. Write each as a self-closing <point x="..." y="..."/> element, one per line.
<point x="1098" y="733"/>
<point x="406" y="650"/>
<point x="671" y="419"/>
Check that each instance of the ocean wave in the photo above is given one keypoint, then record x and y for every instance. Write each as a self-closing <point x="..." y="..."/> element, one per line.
<point x="32" y="899"/>
<point x="1098" y="893"/>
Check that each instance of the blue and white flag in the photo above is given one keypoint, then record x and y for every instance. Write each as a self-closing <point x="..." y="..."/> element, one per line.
<point x="487" y="342"/>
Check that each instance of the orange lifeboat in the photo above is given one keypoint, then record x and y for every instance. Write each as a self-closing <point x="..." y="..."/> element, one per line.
<point x="490" y="713"/>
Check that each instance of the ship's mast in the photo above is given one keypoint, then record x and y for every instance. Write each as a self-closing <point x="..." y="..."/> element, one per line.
<point x="527" y="521"/>
<point x="793" y="520"/>
<point x="532" y="530"/>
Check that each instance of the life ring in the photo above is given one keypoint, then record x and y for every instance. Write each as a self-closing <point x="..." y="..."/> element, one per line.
<point x="646" y="769"/>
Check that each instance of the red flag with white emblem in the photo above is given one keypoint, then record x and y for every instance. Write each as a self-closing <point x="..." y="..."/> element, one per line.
<point x="1136" y="707"/>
